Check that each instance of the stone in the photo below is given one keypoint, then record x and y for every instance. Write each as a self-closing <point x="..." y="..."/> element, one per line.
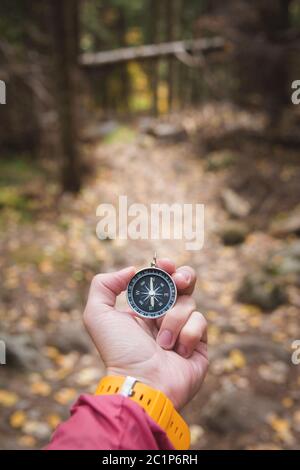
<point x="22" y="353"/>
<point x="70" y="337"/>
<point x="265" y="291"/>
<point x="168" y="132"/>
<point x="287" y="224"/>
<point x="234" y="204"/>
<point x="99" y="130"/>
<point x="233" y="232"/>
<point x="230" y="411"/>
<point x="220" y="160"/>
<point x="285" y="262"/>
<point x="257" y="349"/>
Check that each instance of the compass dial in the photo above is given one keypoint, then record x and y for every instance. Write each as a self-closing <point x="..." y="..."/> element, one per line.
<point x="151" y="292"/>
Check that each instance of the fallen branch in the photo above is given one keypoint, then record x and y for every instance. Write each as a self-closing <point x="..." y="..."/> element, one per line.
<point x="126" y="54"/>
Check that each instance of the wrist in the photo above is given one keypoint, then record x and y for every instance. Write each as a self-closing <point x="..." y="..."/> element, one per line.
<point x="153" y="401"/>
<point x="155" y="384"/>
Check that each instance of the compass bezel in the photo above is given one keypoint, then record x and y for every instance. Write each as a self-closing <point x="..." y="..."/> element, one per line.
<point x="159" y="273"/>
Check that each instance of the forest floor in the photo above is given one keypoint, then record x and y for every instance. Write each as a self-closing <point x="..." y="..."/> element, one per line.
<point x="49" y="252"/>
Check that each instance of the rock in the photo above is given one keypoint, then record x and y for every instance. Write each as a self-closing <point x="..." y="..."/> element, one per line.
<point x="257" y="349"/>
<point x="37" y="429"/>
<point x="276" y="372"/>
<point x="22" y="354"/>
<point x="145" y="124"/>
<point x="220" y="160"/>
<point x="234" y="204"/>
<point x="68" y="302"/>
<point x="230" y="411"/>
<point x="263" y="290"/>
<point x="99" y="130"/>
<point x="233" y="232"/>
<point x="168" y="132"/>
<point x="70" y="337"/>
<point x="285" y="262"/>
<point x="287" y="224"/>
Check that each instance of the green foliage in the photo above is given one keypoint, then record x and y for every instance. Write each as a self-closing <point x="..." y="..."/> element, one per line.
<point x="120" y="134"/>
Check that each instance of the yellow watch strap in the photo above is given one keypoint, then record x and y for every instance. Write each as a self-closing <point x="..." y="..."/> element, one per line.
<point x="156" y="405"/>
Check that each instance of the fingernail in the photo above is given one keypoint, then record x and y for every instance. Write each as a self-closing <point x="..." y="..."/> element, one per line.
<point x="185" y="275"/>
<point x="181" y="349"/>
<point x="164" y="339"/>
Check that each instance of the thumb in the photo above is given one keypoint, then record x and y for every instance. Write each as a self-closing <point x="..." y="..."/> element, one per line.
<point x="106" y="287"/>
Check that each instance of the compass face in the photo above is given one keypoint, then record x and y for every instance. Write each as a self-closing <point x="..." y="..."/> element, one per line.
<point x="151" y="292"/>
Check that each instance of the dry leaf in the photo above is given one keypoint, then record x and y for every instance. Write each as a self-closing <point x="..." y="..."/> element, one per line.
<point x="53" y="420"/>
<point x="17" y="419"/>
<point x="87" y="376"/>
<point x="37" y="429"/>
<point x="65" y="395"/>
<point x="237" y="358"/>
<point x="41" y="388"/>
<point x="27" y="441"/>
<point x="196" y="433"/>
<point x="8" y="398"/>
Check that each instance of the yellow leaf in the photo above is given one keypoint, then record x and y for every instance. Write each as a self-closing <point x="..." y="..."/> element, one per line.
<point x="27" y="441"/>
<point x="53" y="420"/>
<point x="17" y="419"/>
<point x="87" y="376"/>
<point x="8" y="398"/>
<point x="237" y="358"/>
<point x="46" y="266"/>
<point x="281" y="427"/>
<point x="278" y="424"/>
<point x="65" y="395"/>
<point x="255" y="321"/>
<point x="41" y="388"/>
<point x="51" y="352"/>
<point x="287" y="402"/>
<point x="296" y="417"/>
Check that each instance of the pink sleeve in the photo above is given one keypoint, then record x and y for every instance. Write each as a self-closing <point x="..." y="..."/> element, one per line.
<point x="108" y="422"/>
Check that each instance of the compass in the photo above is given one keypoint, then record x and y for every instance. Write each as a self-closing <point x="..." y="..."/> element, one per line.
<point x="151" y="292"/>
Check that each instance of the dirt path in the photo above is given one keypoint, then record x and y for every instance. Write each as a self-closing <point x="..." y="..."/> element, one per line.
<point x="251" y="397"/>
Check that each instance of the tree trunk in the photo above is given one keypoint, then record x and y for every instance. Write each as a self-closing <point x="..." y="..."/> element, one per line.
<point x="170" y="19"/>
<point x="154" y="39"/>
<point x="66" y="44"/>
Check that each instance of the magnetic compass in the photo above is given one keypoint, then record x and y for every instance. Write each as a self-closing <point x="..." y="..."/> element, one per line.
<point x="151" y="292"/>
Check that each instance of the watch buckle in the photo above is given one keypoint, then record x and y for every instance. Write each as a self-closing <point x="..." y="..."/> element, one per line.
<point x="127" y="387"/>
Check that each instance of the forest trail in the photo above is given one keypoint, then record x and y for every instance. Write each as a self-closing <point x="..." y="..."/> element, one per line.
<point x="47" y="267"/>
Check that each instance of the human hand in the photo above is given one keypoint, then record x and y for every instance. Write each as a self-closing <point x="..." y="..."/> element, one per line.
<point x="169" y="354"/>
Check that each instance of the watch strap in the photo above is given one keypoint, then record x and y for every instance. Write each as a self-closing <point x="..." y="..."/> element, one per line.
<point x="156" y="404"/>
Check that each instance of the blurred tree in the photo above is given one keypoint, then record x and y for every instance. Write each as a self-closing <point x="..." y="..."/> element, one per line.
<point x="65" y="30"/>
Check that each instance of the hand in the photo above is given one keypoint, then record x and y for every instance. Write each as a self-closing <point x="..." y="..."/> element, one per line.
<point x="170" y="353"/>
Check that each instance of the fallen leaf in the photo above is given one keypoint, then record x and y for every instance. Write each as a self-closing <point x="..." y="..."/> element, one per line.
<point x="53" y="420"/>
<point x="65" y="395"/>
<point x="37" y="429"/>
<point x="196" y="433"/>
<point x="17" y="419"/>
<point x="237" y="358"/>
<point x="8" y="398"/>
<point x="87" y="376"/>
<point x="27" y="441"/>
<point x="41" y="388"/>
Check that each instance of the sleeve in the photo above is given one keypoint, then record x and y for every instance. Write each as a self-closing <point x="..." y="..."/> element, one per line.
<point x="108" y="422"/>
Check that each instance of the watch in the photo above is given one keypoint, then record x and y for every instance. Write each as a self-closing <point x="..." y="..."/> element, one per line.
<point x="155" y="403"/>
<point x="151" y="292"/>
